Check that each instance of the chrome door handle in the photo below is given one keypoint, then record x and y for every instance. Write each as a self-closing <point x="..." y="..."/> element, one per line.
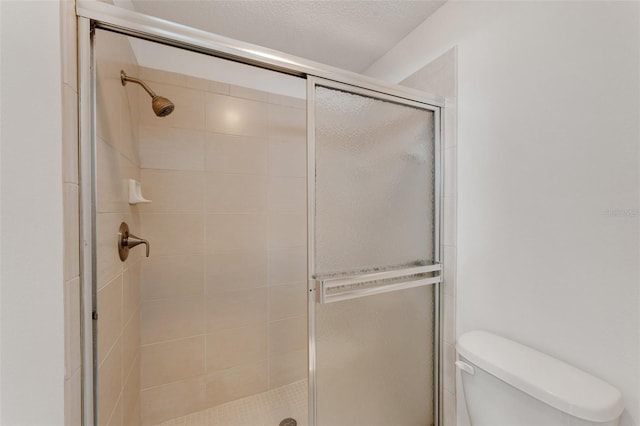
<point x="127" y="241"/>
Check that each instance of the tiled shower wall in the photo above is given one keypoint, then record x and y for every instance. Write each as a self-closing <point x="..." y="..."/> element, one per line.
<point x="439" y="77"/>
<point x="117" y="282"/>
<point x="223" y="293"/>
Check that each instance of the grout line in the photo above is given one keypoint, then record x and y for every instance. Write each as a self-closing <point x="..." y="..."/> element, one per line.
<point x="268" y="333"/>
<point x="205" y="292"/>
<point x="113" y="411"/>
<point x="133" y="364"/>
<point x="144" y="345"/>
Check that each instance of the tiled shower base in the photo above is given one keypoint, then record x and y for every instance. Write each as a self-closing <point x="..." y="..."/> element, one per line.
<point x="264" y="409"/>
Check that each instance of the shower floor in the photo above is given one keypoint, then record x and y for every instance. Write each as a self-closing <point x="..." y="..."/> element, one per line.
<point x="263" y="409"/>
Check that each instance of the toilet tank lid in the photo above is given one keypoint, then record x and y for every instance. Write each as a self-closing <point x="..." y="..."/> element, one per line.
<point x="543" y="377"/>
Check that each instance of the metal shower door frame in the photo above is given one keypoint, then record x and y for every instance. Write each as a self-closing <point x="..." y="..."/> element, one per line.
<point x="93" y="15"/>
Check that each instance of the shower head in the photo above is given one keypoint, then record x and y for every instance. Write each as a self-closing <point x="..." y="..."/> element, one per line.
<point x="161" y="105"/>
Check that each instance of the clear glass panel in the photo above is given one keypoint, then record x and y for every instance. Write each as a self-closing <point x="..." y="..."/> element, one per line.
<point x="375" y="360"/>
<point x="212" y="326"/>
<point x="374" y="184"/>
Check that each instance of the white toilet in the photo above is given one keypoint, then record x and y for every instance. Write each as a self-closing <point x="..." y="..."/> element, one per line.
<point x="509" y="384"/>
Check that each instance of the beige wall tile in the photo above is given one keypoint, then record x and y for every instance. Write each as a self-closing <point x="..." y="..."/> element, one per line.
<point x="73" y="400"/>
<point x="112" y="56"/>
<point x="288" y="368"/>
<point x="169" y="362"/>
<point x="109" y="316"/>
<point x="236" y="346"/>
<point x="114" y="53"/>
<point x="247" y="93"/>
<point x="172" y="276"/>
<point x="237" y="270"/>
<point x="171" y="148"/>
<point x="116" y="415"/>
<point x="287" y="124"/>
<point x="217" y="87"/>
<point x="172" y="191"/>
<point x="272" y="98"/>
<point x="237" y="382"/>
<point x="235" y="193"/>
<point x="169" y="319"/>
<point x="108" y="92"/>
<point x="109" y="384"/>
<point x="114" y="171"/>
<point x="188" y="112"/>
<point x="287" y="230"/>
<point x="173" y="233"/>
<point x="236" y="309"/>
<point x="72" y="327"/>
<point x="69" y="134"/>
<point x="287" y="301"/>
<point x="236" y="232"/>
<point x="131" y="397"/>
<point x="131" y="345"/>
<point x="287" y="265"/>
<point x="196" y="83"/>
<point x="130" y="290"/>
<point x="287" y="159"/>
<point x="160" y="76"/>
<point x="110" y="193"/>
<point x="173" y="400"/>
<point x="71" y="231"/>
<point x="234" y="116"/>
<point x="127" y="142"/>
<point x="236" y="154"/>
<point x="288" y="335"/>
<point x="287" y="194"/>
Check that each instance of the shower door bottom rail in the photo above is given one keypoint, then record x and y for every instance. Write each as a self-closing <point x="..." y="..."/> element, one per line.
<point x="334" y="289"/>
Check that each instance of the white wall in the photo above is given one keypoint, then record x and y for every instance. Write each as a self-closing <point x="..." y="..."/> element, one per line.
<point x="32" y="350"/>
<point x="548" y="185"/>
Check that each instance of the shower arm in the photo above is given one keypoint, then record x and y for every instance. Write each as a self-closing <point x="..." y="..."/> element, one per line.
<point x="124" y="78"/>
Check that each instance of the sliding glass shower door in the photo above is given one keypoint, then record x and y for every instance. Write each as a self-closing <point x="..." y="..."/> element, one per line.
<point x="209" y="327"/>
<point x="372" y="256"/>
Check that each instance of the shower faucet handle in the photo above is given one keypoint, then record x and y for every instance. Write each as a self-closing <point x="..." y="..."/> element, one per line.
<point x="127" y="241"/>
<point x="133" y="241"/>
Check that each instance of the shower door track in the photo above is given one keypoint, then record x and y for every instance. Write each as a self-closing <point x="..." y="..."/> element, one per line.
<point x="97" y="15"/>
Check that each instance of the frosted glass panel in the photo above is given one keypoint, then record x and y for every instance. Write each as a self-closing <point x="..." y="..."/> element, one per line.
<point x="375" y="360"/>
<point x="374" y="184"/>
<point x="373" y="211"/>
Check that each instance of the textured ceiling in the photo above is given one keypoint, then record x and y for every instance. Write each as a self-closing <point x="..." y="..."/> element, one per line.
<point x="346" y="34"/>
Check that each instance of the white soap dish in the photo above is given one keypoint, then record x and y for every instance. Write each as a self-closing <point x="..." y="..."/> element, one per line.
<point x="135" y="193"/>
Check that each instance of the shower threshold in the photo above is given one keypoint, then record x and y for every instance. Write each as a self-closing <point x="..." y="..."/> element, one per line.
<point x="263" y="409"/>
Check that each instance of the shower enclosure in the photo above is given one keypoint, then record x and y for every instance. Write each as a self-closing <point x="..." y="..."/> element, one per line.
<point x="292" y="267"/>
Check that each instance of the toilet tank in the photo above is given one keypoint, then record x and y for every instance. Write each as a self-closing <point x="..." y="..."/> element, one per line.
<point x="509" y="384"/>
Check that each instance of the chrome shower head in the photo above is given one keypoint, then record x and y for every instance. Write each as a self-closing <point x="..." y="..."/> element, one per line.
<point x="161" y="105"/>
